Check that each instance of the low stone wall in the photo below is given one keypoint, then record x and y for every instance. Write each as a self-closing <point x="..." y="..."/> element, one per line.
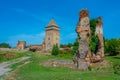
<point x="5" y="49"/>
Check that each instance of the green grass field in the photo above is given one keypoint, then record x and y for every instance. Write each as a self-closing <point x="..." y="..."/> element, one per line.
<point x="34" y="71"/>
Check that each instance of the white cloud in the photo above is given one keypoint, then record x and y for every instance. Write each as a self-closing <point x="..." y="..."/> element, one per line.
<point x="30" y="39"/>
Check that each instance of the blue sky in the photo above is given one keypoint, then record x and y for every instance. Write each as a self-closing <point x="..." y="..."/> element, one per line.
<point x="27" y="19"/>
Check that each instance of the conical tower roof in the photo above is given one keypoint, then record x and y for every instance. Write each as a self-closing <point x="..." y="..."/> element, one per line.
<point x="52" y="23"/>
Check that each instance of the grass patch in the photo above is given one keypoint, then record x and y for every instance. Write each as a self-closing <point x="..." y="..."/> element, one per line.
<point x="115" y="61"/>
<point x="34" y="71"/>
<point x="13" y="54"/>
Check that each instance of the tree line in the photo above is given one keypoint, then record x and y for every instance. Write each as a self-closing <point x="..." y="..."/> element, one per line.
<point x="4" y="45"/>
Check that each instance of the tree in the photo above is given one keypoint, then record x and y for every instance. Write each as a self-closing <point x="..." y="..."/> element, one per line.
<point x="112" y="46"/>
<point x="69" y="45"/>
<point x="55" y="50"/>
<point x="5" y="45"/>
<point x="63" y="45"/>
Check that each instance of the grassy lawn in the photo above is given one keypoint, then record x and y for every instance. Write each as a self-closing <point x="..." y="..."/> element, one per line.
<point x="113" y="59"/>
<point x="35" y="71"/>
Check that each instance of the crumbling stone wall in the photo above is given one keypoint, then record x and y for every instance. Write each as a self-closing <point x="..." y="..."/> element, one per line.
<point x="99" y="33"/>
<point x="34" y="48"/>
<point x="83" y="30"/>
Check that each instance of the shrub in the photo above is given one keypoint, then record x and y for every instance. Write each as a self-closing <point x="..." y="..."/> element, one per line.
<point x="55" y="50"/>
<point x="116" y="68"/>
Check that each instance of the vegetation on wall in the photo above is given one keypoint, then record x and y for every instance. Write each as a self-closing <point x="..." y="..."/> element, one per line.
<point x="94" y="43"/>
<point x="93" y="26"/>
<point x="93" y="38"/>
<point x="112" y="46"/>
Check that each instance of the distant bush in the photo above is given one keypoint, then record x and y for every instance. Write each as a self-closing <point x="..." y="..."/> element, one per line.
<point x="4" y="45"/>
<point x="69" y="45"/>
<point x="66" y="52"/>
<point x="55" y="50"/>
<point x="75" y="46"/>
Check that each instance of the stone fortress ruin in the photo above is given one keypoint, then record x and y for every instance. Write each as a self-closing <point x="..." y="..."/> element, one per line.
<point x="84" y="56"/>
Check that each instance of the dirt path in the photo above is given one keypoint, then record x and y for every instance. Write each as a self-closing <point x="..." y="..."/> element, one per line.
<point x="5" y="66"/>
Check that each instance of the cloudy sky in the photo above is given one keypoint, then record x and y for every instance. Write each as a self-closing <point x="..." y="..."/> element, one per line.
<point x="27" y="19"/>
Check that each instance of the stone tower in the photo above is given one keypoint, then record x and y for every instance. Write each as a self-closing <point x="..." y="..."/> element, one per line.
<point x="21" y="45"/>
<point x="52" y="35"/>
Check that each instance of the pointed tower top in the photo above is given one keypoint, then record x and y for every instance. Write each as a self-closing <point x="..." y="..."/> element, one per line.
<point x="52" y="23"/>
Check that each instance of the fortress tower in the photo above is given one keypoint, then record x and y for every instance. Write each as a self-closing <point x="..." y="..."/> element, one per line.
<point x="52" y="35"/>
<point x="21" y="45"/>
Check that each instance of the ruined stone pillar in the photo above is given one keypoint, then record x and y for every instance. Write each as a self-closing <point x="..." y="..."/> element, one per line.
<point x="99" y="33"/>
<point x="83" y="27"/>
<point x="83" y="30"/>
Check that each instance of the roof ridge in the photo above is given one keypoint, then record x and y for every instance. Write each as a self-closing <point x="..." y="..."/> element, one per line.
<point x="52" y="23"/>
